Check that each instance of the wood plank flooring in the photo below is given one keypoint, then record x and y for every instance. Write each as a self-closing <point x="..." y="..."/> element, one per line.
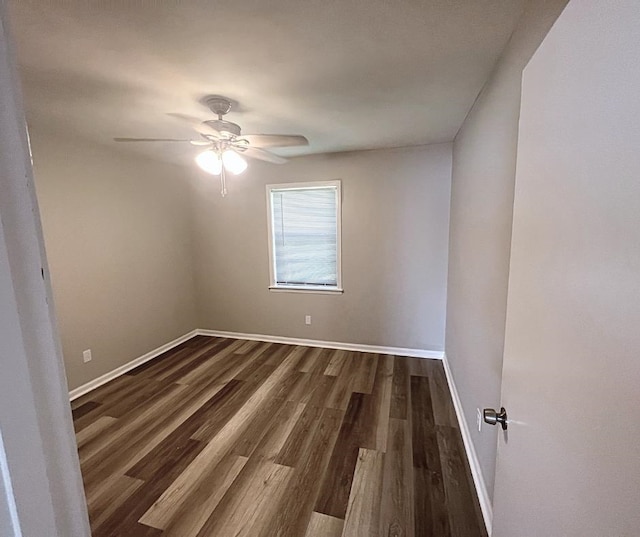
<point x="220" y="437"/>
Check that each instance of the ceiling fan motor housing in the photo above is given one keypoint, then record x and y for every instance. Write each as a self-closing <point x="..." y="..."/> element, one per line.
<point x="225" y="127"/>
<point x="220" y="106"/>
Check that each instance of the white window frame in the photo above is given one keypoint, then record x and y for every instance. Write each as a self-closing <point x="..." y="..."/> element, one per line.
<point x="322" y="289"/>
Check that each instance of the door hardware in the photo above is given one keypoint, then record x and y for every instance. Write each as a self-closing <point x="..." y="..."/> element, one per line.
<point x="493" y="418"/>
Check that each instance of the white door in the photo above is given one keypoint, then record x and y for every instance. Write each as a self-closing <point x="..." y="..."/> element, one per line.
<point x="569" y="464"/>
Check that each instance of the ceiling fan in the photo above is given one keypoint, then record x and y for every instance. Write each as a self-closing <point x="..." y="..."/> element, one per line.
<point x="225" y="143"/>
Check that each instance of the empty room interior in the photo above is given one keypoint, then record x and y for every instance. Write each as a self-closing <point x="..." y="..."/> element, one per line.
<point x="320" y="269"/>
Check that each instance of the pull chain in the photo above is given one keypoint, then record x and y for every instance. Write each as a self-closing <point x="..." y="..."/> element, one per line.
<point x="223" y="182"/>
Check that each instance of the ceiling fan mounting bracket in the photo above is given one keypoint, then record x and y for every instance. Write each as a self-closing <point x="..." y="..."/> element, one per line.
<point x="218" y="104"/>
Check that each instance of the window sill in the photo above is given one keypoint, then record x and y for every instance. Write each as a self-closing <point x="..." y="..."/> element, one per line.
<point x="306" y="289"/>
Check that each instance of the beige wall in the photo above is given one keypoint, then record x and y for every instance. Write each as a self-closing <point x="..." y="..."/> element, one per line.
<point x="395" y="218"/>
<point x="118" y="238"/>
<point x="484" y="160"/>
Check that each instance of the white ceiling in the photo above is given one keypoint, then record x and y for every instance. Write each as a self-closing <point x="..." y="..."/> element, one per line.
<point x="348" y="74"/>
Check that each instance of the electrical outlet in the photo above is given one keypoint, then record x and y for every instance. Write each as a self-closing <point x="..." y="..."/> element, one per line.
<point x="307" y="319"/>
<point x="86" y="356"/>
<point x="479" y="419"/>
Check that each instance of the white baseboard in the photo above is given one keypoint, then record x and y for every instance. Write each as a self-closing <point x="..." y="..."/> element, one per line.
<point x="95" y="383"/>
<point x="472" y="456"/>
<point x="400" y="351"/>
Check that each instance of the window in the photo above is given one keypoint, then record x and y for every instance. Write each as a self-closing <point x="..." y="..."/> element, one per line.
<point x="304" y="236"/>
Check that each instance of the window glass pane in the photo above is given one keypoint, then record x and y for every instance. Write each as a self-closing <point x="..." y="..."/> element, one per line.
<point x="305" y="236"/>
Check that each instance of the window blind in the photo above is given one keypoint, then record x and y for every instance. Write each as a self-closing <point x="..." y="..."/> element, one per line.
<point x="305" y="236"/>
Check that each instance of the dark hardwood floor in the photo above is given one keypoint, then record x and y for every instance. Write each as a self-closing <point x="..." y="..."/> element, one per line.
<point x="222" y="437"/>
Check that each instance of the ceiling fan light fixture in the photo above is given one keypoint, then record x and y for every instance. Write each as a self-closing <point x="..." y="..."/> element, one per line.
<point x="210" y="162"/>
<point x="227" y="146"/>
<point x="233" y="162"/>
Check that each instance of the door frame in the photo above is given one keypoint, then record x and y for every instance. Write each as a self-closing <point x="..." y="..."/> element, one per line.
<point x="41" y="490"/>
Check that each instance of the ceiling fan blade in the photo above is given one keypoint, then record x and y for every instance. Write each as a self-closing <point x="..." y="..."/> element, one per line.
<point x="150" y="140"/>
<point x="261" y="154"/>
<point x="198" y="125"/>
<point x="275" y="140"/>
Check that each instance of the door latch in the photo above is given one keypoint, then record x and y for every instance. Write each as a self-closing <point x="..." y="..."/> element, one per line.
<point x="493" y="418"/>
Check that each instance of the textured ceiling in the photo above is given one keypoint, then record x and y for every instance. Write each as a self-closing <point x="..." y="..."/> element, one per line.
<point x="349" y="75"/>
